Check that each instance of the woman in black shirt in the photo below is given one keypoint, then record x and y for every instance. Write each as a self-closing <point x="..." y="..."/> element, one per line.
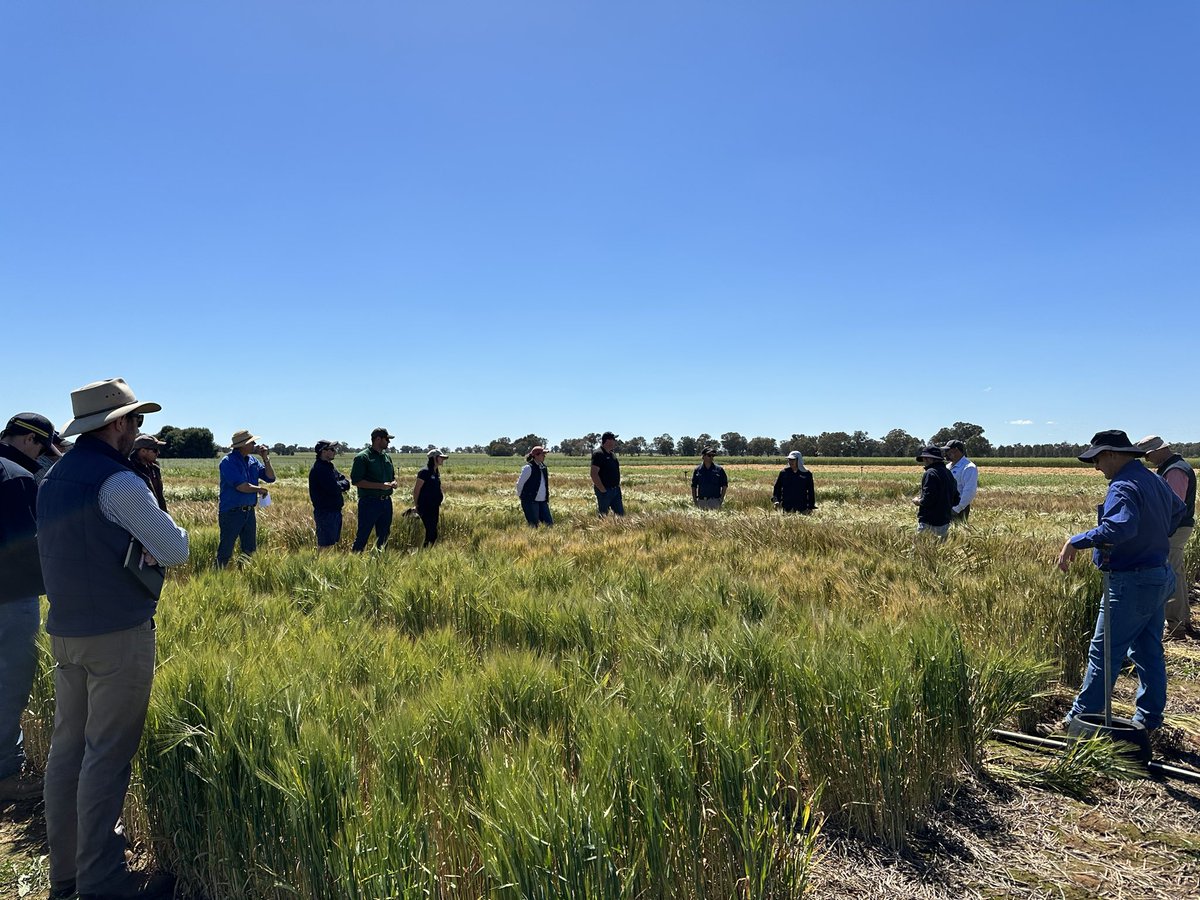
<point x="427" y="495"/>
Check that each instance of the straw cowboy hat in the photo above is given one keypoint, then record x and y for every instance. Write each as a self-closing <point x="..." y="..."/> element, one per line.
<point x="101" y="402"/>
<point x="243" y="437"/>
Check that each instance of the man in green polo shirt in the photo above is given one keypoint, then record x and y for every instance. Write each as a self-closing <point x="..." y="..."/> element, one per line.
<point x="375" y="477"/>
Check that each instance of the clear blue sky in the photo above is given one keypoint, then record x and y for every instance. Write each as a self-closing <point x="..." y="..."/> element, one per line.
<point x="471" y="219"/>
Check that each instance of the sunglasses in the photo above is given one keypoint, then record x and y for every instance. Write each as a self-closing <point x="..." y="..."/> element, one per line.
<point x="138" y="419"/>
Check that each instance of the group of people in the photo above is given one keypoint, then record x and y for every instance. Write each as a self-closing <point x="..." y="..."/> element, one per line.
<point x="91" y="531"/>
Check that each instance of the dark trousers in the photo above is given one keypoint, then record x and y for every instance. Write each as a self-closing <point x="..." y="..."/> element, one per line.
<point x="429" y="517"/>
<point x="537" y="511"/>
<point x="376" y="513"/>
<point x="328" y="524"/>
<point x="240" y="526"/>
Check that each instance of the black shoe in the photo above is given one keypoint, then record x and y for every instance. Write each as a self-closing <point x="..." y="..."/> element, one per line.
<point x="139" y="885"/>
<point x="63" y="890"/>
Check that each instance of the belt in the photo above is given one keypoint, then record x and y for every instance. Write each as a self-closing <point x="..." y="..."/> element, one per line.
<point x="242" y="508"/>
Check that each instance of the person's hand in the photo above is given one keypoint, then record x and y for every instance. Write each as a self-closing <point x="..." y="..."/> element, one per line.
<point x="776" y="504"/>
<point x="1065" y="556"/>
<point x="262" y="491"/>
<point x="147" y="559"/>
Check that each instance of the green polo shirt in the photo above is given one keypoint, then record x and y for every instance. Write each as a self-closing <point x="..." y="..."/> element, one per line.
<point x="369" y="465"/>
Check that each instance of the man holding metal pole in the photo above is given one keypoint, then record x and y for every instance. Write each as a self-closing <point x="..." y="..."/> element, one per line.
<point x="1130" y="543"/>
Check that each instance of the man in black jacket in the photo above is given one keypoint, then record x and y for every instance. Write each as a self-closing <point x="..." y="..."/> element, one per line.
<point x="327" y="489"/>
<point x="794" y="490"/>
<point x="24" y="439"/>
<point x="939" y="493"/>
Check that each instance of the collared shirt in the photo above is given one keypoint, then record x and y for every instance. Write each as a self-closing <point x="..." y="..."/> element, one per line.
<point x="238" y="469"/>
<point x="1138" y="515"/>
<point x="372" y="465"/>
<point x="526" y="472"/>
<point x="126" y="500"/>
<point x="609" y="468"/>
<point x="326" y="486"/>
<point x="707" y="481"/>
<point x="966" y="475"/>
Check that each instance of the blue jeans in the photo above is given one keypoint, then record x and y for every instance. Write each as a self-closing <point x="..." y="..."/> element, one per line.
<point x="373" y="512"/>
<point x="938" y="531"/>
<point x="19" y="621"/>
<point x="1136" y="612"/>
<point x="537" y="511"/>
<point x="237" y="525"/>
<point x="610" y="499"/>
<point x="328" y="523"/>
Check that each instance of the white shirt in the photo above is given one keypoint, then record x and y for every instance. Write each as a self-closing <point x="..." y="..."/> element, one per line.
<point x="966" y="474"/>
<point x="526" y="471"/>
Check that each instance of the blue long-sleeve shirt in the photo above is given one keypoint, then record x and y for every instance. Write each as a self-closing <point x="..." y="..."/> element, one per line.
<point x="237" y="469"/>
<point x="1138" y="515"/>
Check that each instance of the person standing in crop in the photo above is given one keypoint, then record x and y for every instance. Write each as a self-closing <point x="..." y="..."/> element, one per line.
<point x="327" y="488"/>
<point x="1130" y="544"/>
<point x="533" y="487"/>
<point x="25" y="438"/>
<point x="144" y="461"/>
<point x="373" y="474"/>
<point x="240" y="493"/>
<point x="427" y="495"/>
<point x="709" y="482"/>
<point x="938" y="496"/>
<point x="606" y="477"/>
<point x="99" y="526"/>
<point x="1178" y="474"/>
<point x="966" y="477"/>
<point x="794" y="489"/>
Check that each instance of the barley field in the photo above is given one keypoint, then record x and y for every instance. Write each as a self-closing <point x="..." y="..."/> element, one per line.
<point x="673" y="704"/>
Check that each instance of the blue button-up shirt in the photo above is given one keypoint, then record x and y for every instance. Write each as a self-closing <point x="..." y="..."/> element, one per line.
<point x="1138" y="515"/>
<point x="237" y="469"/>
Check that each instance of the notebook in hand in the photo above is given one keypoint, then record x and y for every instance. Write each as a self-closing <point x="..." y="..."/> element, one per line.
<point x="150" y="577"/>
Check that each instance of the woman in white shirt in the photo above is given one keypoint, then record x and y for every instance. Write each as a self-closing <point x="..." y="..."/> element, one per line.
<point x="533" y="487"/>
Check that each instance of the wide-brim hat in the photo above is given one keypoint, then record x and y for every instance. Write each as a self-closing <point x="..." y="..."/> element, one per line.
<point x="241" y="438"/>
<point x="95" y="405"/>
<point x="1114" y="440"/>
<point x="148" y="442"/>
<point x="1152" y="442"/>
<point x="931" y="453"/>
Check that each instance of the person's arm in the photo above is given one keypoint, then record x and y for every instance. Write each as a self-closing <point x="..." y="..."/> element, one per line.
<point x="970" y="485"/>
<point x="126" y="501"/>
<point x="18" y="530"/>
<point x="810" y="494"/>
<point x="777" y="494"/>
<point x="1178" y="482"/>
<point x="358" y="477"/>
<point x="230" y="474"/>
<point x="724" y="482"/>
<point x="596" y="482"/>
<point x="695" y="484"/>
<point x="268" y="469"/>
<point x="526" y="471"/>
<point x="417" y="485"/>
<point x="1118" y="522"/>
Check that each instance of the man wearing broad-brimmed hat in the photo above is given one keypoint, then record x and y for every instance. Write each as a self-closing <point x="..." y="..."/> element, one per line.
<point x="709" y="481"/>
<point x="144" y="461"/>
<point x="102" y="538"/>
<point x="794" y="491"/>
<point x="327" y="489"/>
<point x="938" y="495"/>
<point x="1130" y="544"/>
<point x="1180" y="477"/>
<point x="606" y="477"/>
<point x="966" y="477"/>
<point x="24" y="439"/>
<point x="373" y="474"/>
<point x="241" y="475"/>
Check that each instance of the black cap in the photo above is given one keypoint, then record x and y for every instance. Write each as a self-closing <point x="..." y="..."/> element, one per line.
<point x="1117" y="441"/>
<point x="32" y="423"/>
<point x="955" y="444"/>
<point x="709" y="451"/>
<point x="607" y="436"/>
<point x="324" y="445"/>
<point x="381" y="432"/>
<point x="931" y="453"/>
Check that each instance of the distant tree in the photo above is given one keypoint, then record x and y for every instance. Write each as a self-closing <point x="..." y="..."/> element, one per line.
<point x="967" y="432"/>
<point x="522" y="445"/>
<point x="635" y="445"/>
<point x="833" y="443"/>
<point x="501" y="446"/>
<point x="762" y="446"/>
<point x="899" y="442"/>
<point x="706" y="440"/>
<point x="805" y="443"/>
<point x="187" y="443"/>
<point x="686" y="446"/>
<point x="592" y="440"/>
<point x="575" y="446"/>
<point x="664" y="445"/>
<point x="734" y="444"/>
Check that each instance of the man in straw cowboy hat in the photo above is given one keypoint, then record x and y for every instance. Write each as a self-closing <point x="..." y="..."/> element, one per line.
<point x="240" y="492"/>
<point x="24" y="439"/>
<point x="1130" y="544"/>
<point x="1178" y="474"/>
<point x="102" y="539"/>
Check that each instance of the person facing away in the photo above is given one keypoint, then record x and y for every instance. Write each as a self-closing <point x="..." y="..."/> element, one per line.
<point x="709" y="482"/>
<point x="1130" y="544"/>
<point x="374" y="476"/>
<point x="1180" y="477"/>
<point x="51" y="455"/>
<point x="240" y="492"/>
<point x="427" y="495"/>
<point x="144" y="461"/>
<point x="938" y="495"/>
<point x="606" y="477"/>
<point x="966" y="477"/>
<point x="794" y="489"/>
<point x="533" y="488"/>
<point x="101" y="536"/>
<point x="25" y="438"/>
<point x="327" y="488"/>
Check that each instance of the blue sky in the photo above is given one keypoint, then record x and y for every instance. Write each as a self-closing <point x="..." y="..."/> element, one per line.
<point x="471" y="219"/>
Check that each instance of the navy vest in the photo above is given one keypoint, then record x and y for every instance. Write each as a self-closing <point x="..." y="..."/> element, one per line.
<point x="530" y="488"/>
<point x="83" y="553"/>
<point x="1175" y="461"/>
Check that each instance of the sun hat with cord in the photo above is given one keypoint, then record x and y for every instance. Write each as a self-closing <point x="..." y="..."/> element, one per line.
<point x="241" y="438"/>
<point x="95" y="405"/>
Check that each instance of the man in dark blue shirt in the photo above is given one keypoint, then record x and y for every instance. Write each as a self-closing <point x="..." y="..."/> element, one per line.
<point x="709" y="481"/>
<point x="327" y="489"/>
<point x="1129" y="544"/>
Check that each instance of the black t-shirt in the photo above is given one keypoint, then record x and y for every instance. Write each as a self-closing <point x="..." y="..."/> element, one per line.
<point x="431" y="491"/>
<point x="610" y="468"/>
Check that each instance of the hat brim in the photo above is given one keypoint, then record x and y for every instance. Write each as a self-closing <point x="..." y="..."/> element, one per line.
<point x="254" y="438"/>
<point x="84" y="424"/>
<point x="1092" y="452"/>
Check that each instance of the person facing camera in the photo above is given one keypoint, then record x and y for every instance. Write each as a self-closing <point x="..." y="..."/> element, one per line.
<point x="533" y="487"/>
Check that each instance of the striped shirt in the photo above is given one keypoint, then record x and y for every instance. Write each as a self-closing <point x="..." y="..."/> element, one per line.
<point x="126" y="500"/>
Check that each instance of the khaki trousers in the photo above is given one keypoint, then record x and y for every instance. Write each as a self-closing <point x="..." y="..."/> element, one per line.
<point x="1178" y="611"/>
